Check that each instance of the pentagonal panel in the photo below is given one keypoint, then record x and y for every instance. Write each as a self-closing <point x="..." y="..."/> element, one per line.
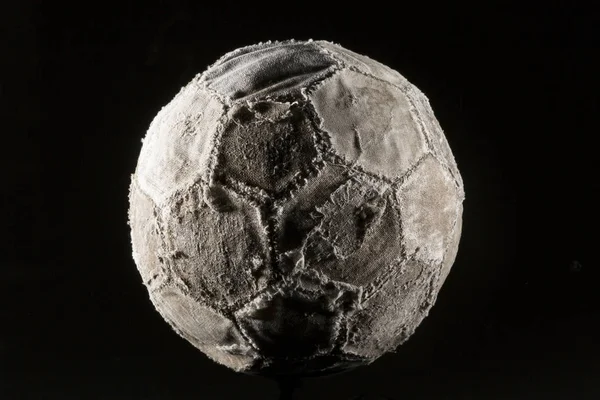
<point x="207" y="330"/>
<point x="270" y="69"/>
<point x="177" y="147"/>
<point x="298" y="320"/>
<point x="392" y="313"/>
<point x="429" y="204"/>
<point x="289" y="326"/>
<point x="358" y="236"/>
<point x="370" y="123"/>
<point x="266" y="145"/>
<point x="218" y="246"/>
<point x="364" y="64"/>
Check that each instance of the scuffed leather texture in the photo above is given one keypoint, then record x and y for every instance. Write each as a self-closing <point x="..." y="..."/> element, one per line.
<point x="295" y="209"/>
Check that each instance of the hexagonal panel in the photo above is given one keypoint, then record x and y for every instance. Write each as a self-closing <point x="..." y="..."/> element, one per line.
<point x="217" y="244"/>
<point x="429" y="204"/>
<point x="292" y="66"/>
<point x="370" y="123"/>
<point x="297" y="216"/>
<point x="358" y="236"/>
<point x="364" y="64"/>
<point x="391" y="314"/>
<point x="452" y="246"/>
<point x="145" y="236"/>
<point x="177" y="147"/>
<point x="207" y="330"/>
<point x="266" y="145"/>
<point x="434" y="131"/>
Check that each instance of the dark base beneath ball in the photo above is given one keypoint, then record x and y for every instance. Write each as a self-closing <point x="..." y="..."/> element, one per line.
<point x="319" y="366"/>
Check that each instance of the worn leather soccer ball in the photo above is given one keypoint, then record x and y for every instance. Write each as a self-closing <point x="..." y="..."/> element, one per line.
<point x="295" y="209"/>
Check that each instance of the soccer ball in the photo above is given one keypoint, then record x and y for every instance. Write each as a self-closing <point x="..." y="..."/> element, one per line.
<point x="295" y="209"/>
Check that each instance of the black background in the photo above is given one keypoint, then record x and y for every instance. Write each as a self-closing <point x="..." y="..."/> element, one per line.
<point x="515" y="90"/>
